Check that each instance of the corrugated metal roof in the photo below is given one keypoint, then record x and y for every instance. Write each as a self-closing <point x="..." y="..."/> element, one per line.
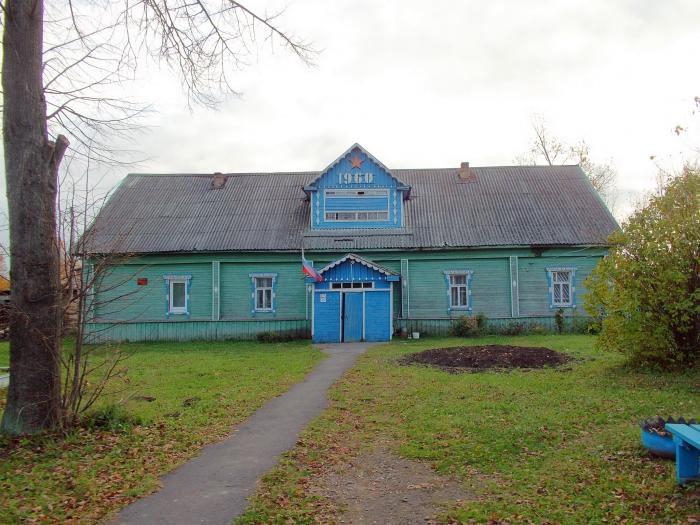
<point x="505" y="206"/>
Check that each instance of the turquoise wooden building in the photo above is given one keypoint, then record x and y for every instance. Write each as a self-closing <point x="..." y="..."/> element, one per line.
<point x="219" y="256"/>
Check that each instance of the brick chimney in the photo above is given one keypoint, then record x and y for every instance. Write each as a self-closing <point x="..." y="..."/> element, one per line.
<point x="218" y="181"/>
<point x="466" y="174"/>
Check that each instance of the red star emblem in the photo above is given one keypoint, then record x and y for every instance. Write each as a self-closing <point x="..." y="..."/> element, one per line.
<point x="356" y="161"/>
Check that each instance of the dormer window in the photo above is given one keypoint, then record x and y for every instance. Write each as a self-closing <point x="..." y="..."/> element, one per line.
<point x="369" y="204"/>
<point x="356" y="191"/>
<point x="357" y="216"/>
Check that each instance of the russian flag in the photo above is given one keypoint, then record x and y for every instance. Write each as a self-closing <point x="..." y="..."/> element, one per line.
<point x="309" y="271"/>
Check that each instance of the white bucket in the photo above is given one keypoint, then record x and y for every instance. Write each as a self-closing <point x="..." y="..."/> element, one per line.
<point x="415" y="335"/>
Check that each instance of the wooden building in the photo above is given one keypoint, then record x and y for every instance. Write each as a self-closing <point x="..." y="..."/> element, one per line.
<point x="220" y="256"/>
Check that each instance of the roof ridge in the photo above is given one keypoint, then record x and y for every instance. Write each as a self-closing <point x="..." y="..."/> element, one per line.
<point x="231" y="174"/>
<point x="315" y="172"/>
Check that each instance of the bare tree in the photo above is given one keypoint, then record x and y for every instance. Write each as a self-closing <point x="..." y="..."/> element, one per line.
<point x="87" y="370"/>
<point x="601" y="175"/>
<point x="546" y="148"/>
<point x="70" y="86"/>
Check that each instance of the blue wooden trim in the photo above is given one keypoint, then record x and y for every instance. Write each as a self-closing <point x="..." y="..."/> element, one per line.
<point x="514" y="287"/>
<point x="572" y="288"/>
<point x="469" y="274"/>
<point x="346" y="175"/>
<point x="166" y="282"/>
<point x="469" y="291"/>
<point x="215" y="290"/>
<point x="273" y="300"/>
<point x="188" y="289"/>
<point x="253" y="309"/>
<point x="252" y="295"/>
<point x="405" y="292"/>
<point x="449" y="298"/>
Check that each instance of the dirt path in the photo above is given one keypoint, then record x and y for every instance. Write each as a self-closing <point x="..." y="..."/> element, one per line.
<point x="380" y="487"/>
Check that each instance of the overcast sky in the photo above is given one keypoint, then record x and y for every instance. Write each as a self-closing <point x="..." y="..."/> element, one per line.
<point x="431" y="84"/>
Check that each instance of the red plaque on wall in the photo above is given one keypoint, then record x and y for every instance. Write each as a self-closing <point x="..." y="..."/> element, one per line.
<point x="142" y="281"/>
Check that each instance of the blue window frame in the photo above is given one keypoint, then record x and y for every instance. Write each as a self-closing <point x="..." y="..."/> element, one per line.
<point x="562" y="291"/>
<point x="361" y="205"/>
<point x="459" y="290"/>
<point x="263" y="292"/>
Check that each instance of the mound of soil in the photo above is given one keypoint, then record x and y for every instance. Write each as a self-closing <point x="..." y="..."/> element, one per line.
<point x="488" y="357"/>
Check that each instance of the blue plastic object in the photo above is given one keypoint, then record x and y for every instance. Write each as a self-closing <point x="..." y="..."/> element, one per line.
<point x="661" y="446"/>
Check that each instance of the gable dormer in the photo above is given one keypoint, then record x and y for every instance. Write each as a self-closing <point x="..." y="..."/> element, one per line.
<point x="357" y="191"/>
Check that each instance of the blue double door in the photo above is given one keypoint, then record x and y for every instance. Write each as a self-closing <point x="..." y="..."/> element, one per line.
<point x="352" y="316"/>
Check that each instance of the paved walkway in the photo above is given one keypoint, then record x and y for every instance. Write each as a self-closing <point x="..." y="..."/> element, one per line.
<point x="212" y="488"/>
<point x="4" y="381"/>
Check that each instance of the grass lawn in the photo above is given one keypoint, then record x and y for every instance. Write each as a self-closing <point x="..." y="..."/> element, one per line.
<point x="200" y="390"/>
<point x="546" y="446"/>
<point x="4" y="353"/>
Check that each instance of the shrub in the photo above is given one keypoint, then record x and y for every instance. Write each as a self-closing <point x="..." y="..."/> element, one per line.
<point x="559" y="320"/>
<point x="466" y="326"/>
<point x="482" y="322"/>
<point x="582" y="324"/>
<point x="279" y="337"/>
<point x="537" y="329"/>
<point x="111" y="417"/>
<point x="645" y="295"/>
<point x="513" y="328"/>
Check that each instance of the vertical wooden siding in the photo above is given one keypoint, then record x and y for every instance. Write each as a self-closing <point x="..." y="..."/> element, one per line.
<point x="236" y="289"/>
<point x="534" y="292"/>
<point x="121" y="298"/>
<point x="191" y="331"/>
<point x="490" y="287"/>
<point x="140" y="311"/>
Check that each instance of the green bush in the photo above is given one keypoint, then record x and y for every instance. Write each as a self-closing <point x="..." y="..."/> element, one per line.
<point x="559" y="320"/>
<point x="513" y="328"/>
<point x="537" y="329"/>
<point x="111" y="417"/>
<point x="279" y="337"/>
<point x="482" y="322"/>
<point x="463" y="326"/>
<point x="581" y="324"/>
<point x="469" y="326"/>
<point x="645" y="295"/>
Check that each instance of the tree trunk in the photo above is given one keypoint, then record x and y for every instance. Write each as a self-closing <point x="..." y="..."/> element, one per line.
<point x="31" y="165"/>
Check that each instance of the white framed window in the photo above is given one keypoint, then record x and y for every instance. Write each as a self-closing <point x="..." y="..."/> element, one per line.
<point x="178" y="294"/>
<point x="263" y="294"/>
<point x="357" y="216"/>
<point x="459" y="290"/>
<point x="366" y="204"/>
<point x="561" y="287"/>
